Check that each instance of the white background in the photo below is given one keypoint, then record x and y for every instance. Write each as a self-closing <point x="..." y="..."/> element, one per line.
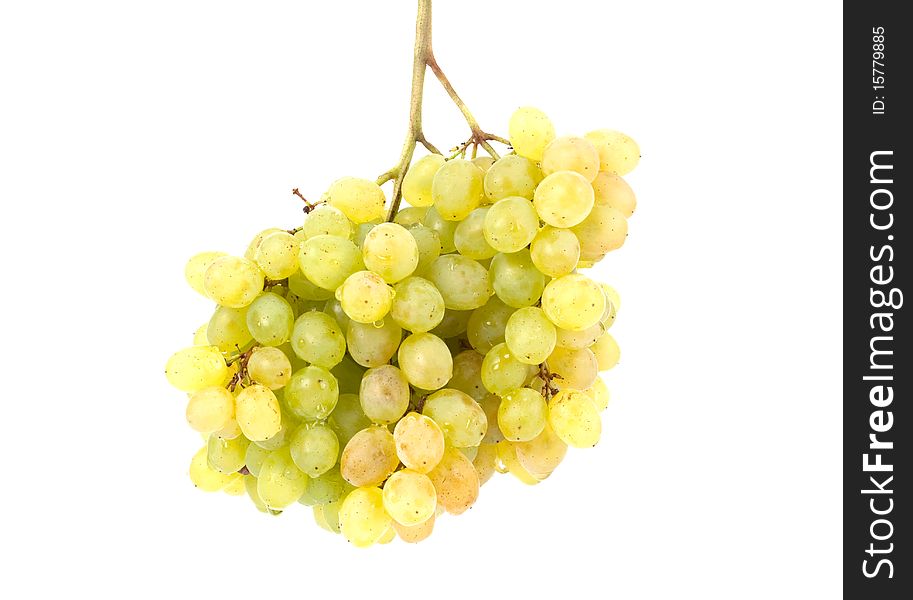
<point x="133" y="135"/>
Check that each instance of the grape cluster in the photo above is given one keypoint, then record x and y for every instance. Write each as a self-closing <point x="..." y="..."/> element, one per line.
<point x="380" y="372"/>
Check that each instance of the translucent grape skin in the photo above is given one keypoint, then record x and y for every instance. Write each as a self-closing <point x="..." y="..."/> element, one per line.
<point x="575" y="419"/>
<point x="618" y="153"/>
<point x="195" y="269"/>
<point x="541" y="455"/>
<point x="227" y="328"/>
<point x="365" y="297"/>
<point x="613" y="191"/>
<point x="210" y="409"/>
<point x="233" y="282"/>
<point x="425" y="361"/>
<point x="578" y="368"/>
<point x="317" y="339"/>
<point x="571" y="153"/>
<point x="269" y="367"/>
<point x="277" y="255"/>
<point x="456" y="482"/>
<point x="280" y="482"/>
<point x="205" y="477"/>
<point x="486" y="325"/>
<point x="419" y="442"/>
<point x="312" y="393"/>
<point x="573" y="302"/>
<point x="599" y="394"/>
<point x="270" y="319"/>
<point x="564" y="199"/>
<point x="409" y="497"/>
<point x="469" y="237"/>
<point x="605" y="229"/>
<point x="372" y="346"/>
<point x="418" y="305"/>
<point x="516" y="280"/>
<point x="462" y="282"/>
<point x="442" y="227"/>
<point x="410" y="216"/>
<point x="384" y="394"/>
<point x="226" y="456"/>
<point x="196" y="367"/>
<point x="459" y="416"/>
<point x="327" y="260"/>
<point x="415" y="533"/>
<point x="511" y="224"/>
<point x="418" y="180"/>
<point x="554" y="251"/>
<point x="369" y="457"/>
<point x="530" y="336"/>
<point x="314" y="449"/>
<point x="530" y="131"/>
<point x="257" y="412"/>
<point x="360" y="200"/>
<point x="502" y="372"/>
<point x="507" y="456"/>
<point x="457" y="189"/>
<point x="362" y="517"/>
<point x="607" y="352"/>
<point x="512" y="175"/>
<point x="326" y="220"/>
<point x="429" y="246"/>
<point x="390" y="251"/>
<point x="522" y="414"/>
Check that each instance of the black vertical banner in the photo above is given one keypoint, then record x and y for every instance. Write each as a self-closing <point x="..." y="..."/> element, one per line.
<point x="877" y="370"/>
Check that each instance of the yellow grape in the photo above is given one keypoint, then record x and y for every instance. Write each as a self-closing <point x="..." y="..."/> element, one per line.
<point x="483" y="162"/>
<point x="425" y="361"/>
<point x="227" y="328"/>
<point x="612" y="294"/>
<point x="579" y="339"/>
<point x="417" y="305"/>
<point x="360" y="200"/>
<point x="460" y="417"/>
<point x="365" y="297"/>
<point x="512" y="175"/>
<point x="530" y="131"/>
<point x="205" y="477"/>
<point x="370" y="345"/>
<point x="469" y="237"/>
<point x="210" y="409"/>
<point x="199" y="336"/>
<point x="571" y="153"/>
<point x="564" y="199"/>
<point x="254" y="457"/>
<point x="195" y="270"/>
<point x="599" y="394"/>
<point x="314" y="449"/>
<point x="419" y="442"/>
<point x="456" y="482"/>
<point x="618" y="153"/>
<point x="516" y="280"/>
<point x="257" y="412"/>
<point x="507" y="455"/>
<point x="326" y="220"/>
<point x="384" y="394"/>
<point x="457" y="189"/>
<point x="269" y="367"/>
<point x="410" y="216"/>
<point x="607" y="352"/>
<point x="490" y="405"/>
<point x="409" y="497"/>
<point x="390" y="251"/>
<point x="573" y="302"/>
<point x="541" y="455"/>
<point x="530" y="336"/>
<point x="233" y="282"/>
<point x="575" y="419"/>
<point x="270" y="319"/>
<point x="414" y="533"/>
<point x="613" y="191"/>
<point x="327" y="260"/>
<point x="195" y="368"/>
<point x="502" y="372"/>
<point x="511" y="224"/>
<point x="522" y="414"/>
<point x="554" y="251"/>
<point x="226" y="456"/>
<point x="362" y="518"/>
<point x="251" y="251"/>
<point x="578" y="368"/>
<point x="280" y="482"/>
<point x="429" y="246"/>
<point x="418" y="180"/>
<point x="604" y="230"/>
<point x="388" y="536"/>
<point x="369" y="457"/>
<point x="462" y="282"/>
<point x="235" y="487"/>
<point x="277" y="255"/>
<point x="484" y="462"/>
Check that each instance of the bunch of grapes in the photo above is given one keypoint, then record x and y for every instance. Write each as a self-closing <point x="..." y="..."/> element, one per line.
<point x="381" y="372"/>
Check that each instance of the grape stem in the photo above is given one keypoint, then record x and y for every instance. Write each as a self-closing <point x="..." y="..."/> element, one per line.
<point x="423" y="59"/>
<point x="308" y="207"/>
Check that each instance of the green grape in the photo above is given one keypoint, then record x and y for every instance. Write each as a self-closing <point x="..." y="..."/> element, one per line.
<point x="522" y="414"/>
<point x="210" y="409"/>
<point x="348" y="418"/>
<point x="372" y="346"/>
<point x="348" y="373"/>
<point x="486" y="325"/>
<point x="226" y="456"/>
<point x="443" y="228"/>
<point x="384" y="394"/>
<point x="363" y="229"/>
<point x="460" y="417"/>
<point x="490" y="404"/>
<point x="360" y="200"/>
<point x="365" y="297"/>
<point x="390" y="251"/>
<point x="410" y="216"/>
<point x="258" y="413"/>
<point x="280" y="483"/>
<point x="608" y="316"/>
<point x="511" y="224"/>
<point x="418" y="180"/>
<point x="419" y="442"/>
<point x="606" y="351"/>
<point x="425" y="361"/>
<point x="579" y="339"/>
<point x="469" y="238"/>
<point x="254" y="457"/>
<point x="453" y="324"/>
<point x="280" y="438"/>
<point x="277" y="255"/>
<point x="369" y="457"/>
<point x="618" y="153"/>
<point x="507" y="456"/>
<point x="269" y="367"/>
<point x="564" y="199"/>
<point x="409" y="497"/>
<point x="205" y="477"/>
<point x="483" y="162"/>
<point x="456" y="482"/>
<point x="334" y="308"/>
<point x="463" y="282"/>
<point x="604" y="230"/>
<point x="554" y="251"/>
<point x="613" y="191"/>
<point x="612" y="295"/>
<point x="571" y="153"/>
<point x="484" y="462"/>
<point x="573" y="302"/>
<point x="195" y="270"/>
<point x="232" y="281"/>
<point x="227" y="328"/>
<point x="312" y="393"/>
<point x="270" y="319"/>
<point x="429" y="246"/>
<point x="599" y="394"/>
<point x="302" y="287"/>
<point x="541" y="455"/>
<point x="325" y="488"/>
<point x="231" y="429"/>
<point x="195" y="368"/>
<point x="414" y="533"/>
<point x="512" y="175"/>
<point x="502" y="372"/>
<point x="578" y="368"/>
<point x="251" y="251"/>
<point x="457" y="189"/>
<point x="530" y="336"/>
<point x="530" y="131"/>
<point x="326" y="220"/>
<point x="575" y="419"/>
<point x="516" y="280"/>
<point x="417" y="305"/>
<point x="328" y="260"/>
<point x="316" y="338"/>
<point x="327" y="515"/>
<point x="467" y="374"/>
<point x="314" y="449"/>
<point x="362" y="518"/>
